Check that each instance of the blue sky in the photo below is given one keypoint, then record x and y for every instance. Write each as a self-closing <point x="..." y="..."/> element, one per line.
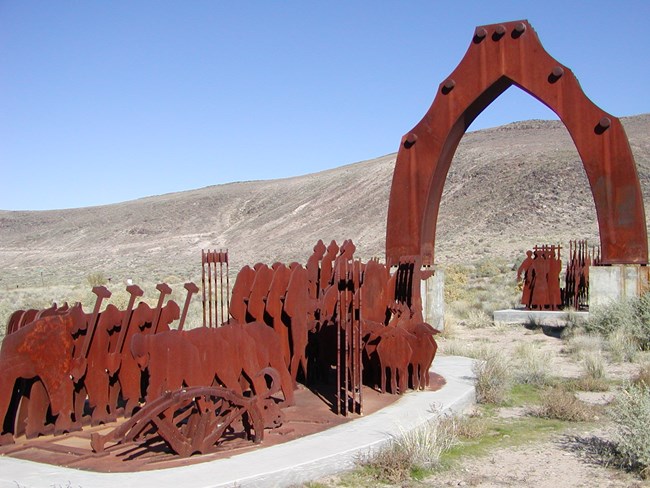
<point x="107" y="101"/>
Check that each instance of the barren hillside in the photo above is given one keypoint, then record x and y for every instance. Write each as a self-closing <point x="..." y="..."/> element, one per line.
<point x="508" y="188"/>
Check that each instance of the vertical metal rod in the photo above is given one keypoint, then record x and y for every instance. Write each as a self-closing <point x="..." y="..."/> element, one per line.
<point x="217" y="297"/>
<point x="359" y="346"/>
<point x="346" y="338"/>
<point x="216" y="288"/>
<point x="221" y="282"/>
<point x="203" y="285"/>
<point x="353" y="340"/>
<point x="210" y="288"/>
<point x="227" y="288"/>
<point x="338" y="345"/>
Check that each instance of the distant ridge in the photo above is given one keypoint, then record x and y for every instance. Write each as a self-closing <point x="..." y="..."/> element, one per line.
<point x="508" y="188"/>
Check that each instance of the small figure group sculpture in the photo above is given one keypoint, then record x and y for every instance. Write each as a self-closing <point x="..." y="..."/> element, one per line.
<point x="539" y="274"/>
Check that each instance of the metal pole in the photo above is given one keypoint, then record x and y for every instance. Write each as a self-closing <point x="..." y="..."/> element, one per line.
<point x="209" y="289"/>
<point x="203" y="285"/>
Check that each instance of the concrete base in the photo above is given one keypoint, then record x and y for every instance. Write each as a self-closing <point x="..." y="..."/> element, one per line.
<point x="287" y="464"/>
<point x="432" y="291"/>
<point x="546" y="318"/>
<point x="616" y="283"/>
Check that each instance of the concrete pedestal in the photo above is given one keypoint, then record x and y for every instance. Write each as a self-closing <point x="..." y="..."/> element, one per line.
<point x="547" y="318"/>
<point x="433" y="299"/>
<point x="616" y="283"/>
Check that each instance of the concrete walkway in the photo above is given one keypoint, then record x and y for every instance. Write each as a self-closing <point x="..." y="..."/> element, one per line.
<point x="291" y="463"/>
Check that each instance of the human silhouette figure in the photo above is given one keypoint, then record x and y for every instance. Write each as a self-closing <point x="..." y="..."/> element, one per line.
<point x="524" y="272"/>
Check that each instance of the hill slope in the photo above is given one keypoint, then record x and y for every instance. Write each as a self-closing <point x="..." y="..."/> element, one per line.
<point x="508" y="188"/>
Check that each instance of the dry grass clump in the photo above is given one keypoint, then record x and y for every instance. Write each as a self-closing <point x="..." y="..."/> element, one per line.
<point x="96" y="278"/>
<point x="622" y="346"/>
<point x="581" y="344"/>
<point x="532" y="365"/>
<point x="593" y="365"/>
<point x="561" y="404"/>
<point x="477" y="319"/>
<point x="593" y="377"/>
<point x="642" y="379"/>
<point x="411" y="452"/>
<point x="492" y="378"/>
<point x="471" y="426"/>
<point x="456" y="347"/>
<point x="450" y="325"/>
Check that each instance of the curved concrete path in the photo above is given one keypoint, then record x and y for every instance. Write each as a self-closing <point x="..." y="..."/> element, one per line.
<point x="287" y="464"/>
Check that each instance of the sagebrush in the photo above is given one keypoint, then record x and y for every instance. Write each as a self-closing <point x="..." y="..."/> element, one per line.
<point x="631" y="415"/>
<point x="632" y="316"/>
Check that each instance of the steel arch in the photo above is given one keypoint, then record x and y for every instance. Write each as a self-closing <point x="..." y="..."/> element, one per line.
<point x="501" y="55"/>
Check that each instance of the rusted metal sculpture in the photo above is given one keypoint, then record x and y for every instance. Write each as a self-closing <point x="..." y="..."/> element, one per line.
<point x="499" y="56"/>
<point x="88" y="371"/>
<point x="539" y="274"/>
<point x="215" y="307"/>
<point x="240" y="293"/>
<point x="190" y="421"/>
<point x="581" y="257"/>
<point x="275" y="305"/>
<point x="42" y="349"/>
<point x="196" y="388"/>
<point x="349" y="341"/>
<point x="298" y="307"/>
<point x="347" y="311"/>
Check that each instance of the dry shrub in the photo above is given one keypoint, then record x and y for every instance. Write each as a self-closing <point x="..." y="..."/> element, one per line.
<point x="492" y="378"/>
<point x="586" y="383"/>
<point x="622" y="346"/>
<point x="593" y="365"/>
<point x="488" y="268"/>
<point x="478" y="319"/>
<point x="452" y="347"/>
<point x="558" y="403"/>
<point x="581" y="344"/>
<point x="631" y="414"/>
<point x="533" y="365"/>
<point x="642" y="379"/>
<point x="456" y="277"/>
<point x="456" y="347"/>
<point x="593" y="377"/>
<point x="471" y="426"/>
<point x="417" y="449"/>
<point x="97" y="279"/>
<point x="450" y="327"/>
<point x="632" y="315"/>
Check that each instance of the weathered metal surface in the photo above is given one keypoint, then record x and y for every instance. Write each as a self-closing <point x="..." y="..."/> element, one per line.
<point x="539" y="274"/>
<point x="42" y="349"/>
<point x="240" y="293"/>
<point x="216" y="289"/>
<point x="275" y="304"/>
<point x="66" y="364"/>
<point x="576" y="289"/>
<point x="114" y="362"/>
<point x="499" y="56"/>
<point x="191" y="290"/>
<point x="349" y="366"/>
<point x="190" y="421"/>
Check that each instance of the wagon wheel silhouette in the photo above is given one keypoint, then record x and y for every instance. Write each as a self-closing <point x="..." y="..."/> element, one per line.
<point x="189" y="420"/>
